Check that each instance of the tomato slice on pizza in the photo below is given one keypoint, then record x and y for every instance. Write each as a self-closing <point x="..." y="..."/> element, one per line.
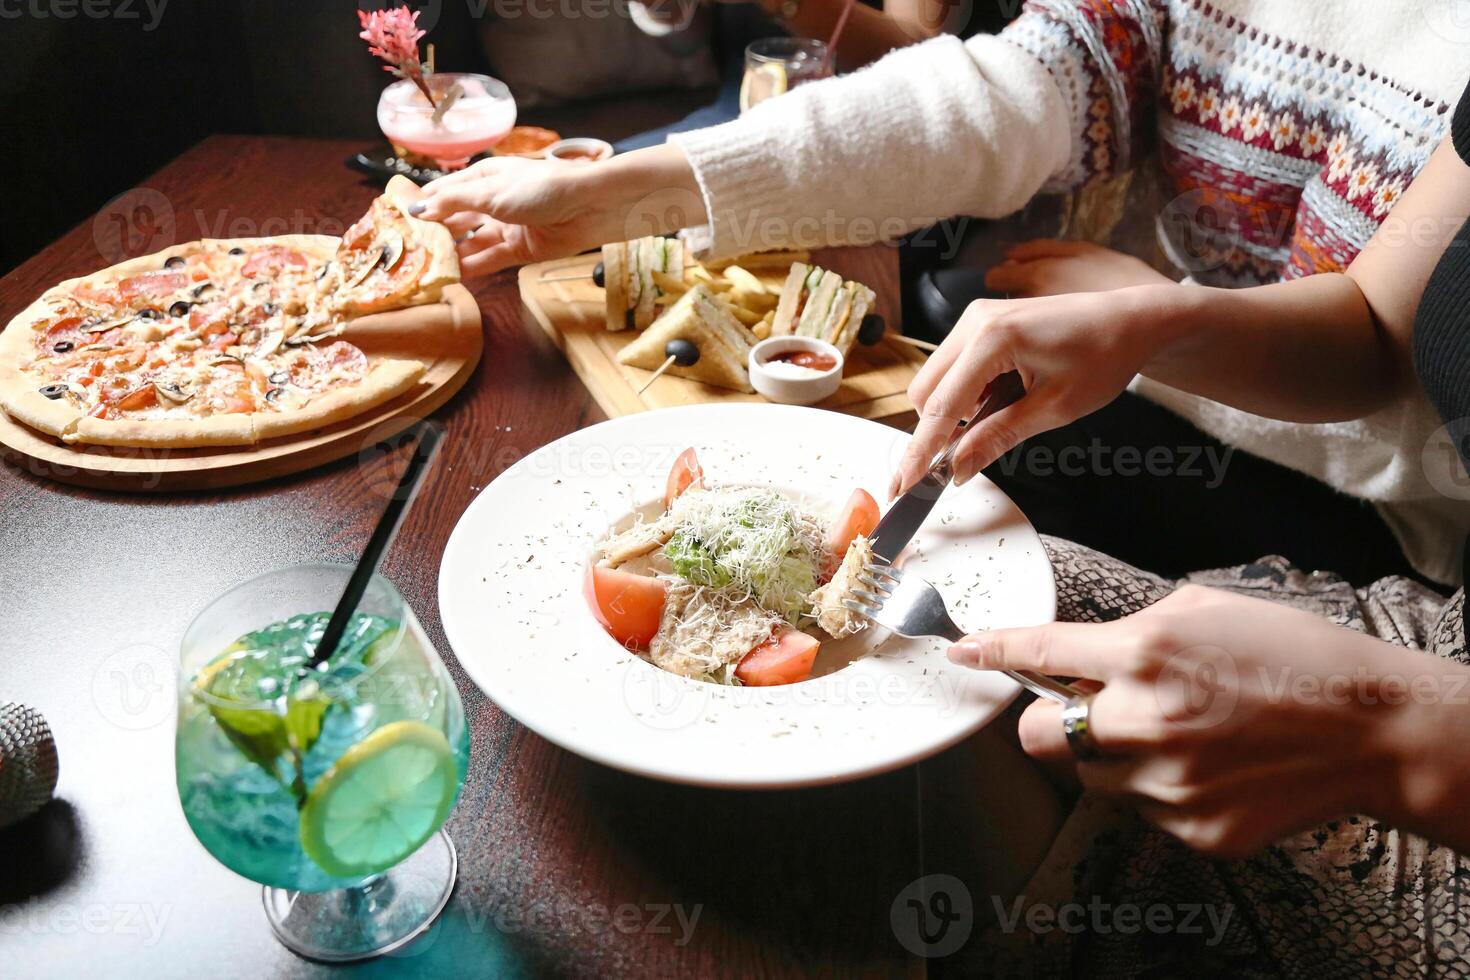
<point x="390" y="260"/>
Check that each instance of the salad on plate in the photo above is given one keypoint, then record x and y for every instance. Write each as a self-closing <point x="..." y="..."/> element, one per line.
<point x="734" y="584"/>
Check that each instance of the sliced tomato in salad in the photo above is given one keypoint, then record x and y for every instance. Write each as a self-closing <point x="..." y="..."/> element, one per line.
<point x="685" y="474"/>
<point x="785" y="658"/>
<point x="858" y="517"/>
<point x="628" y="606"/>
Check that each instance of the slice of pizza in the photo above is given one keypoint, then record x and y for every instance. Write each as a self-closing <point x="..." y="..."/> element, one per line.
<point x="390" y="260"/>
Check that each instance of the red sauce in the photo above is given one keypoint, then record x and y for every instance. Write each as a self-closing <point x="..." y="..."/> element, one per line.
<point x="575" y="154"/>
<point x="815" y="360"/>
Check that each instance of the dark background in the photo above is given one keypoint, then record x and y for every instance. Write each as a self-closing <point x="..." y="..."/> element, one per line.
<point x="97" y="94"/>
<point x="92" y="105"/>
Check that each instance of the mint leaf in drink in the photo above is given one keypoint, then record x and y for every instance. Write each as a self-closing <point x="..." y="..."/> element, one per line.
<point x="237" y="689"/>
<point x="265" y="708"/>
<point x="305" y="708"/>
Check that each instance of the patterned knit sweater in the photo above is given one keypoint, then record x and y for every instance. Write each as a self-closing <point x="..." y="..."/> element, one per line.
<point x="1284" y="133"/>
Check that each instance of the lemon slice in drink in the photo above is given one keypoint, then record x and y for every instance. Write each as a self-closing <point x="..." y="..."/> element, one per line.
<point x="385" y="796"/>
<point x="761" y="82"/>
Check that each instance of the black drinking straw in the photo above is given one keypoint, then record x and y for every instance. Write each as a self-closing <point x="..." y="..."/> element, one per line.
<point x="429" y="434"/>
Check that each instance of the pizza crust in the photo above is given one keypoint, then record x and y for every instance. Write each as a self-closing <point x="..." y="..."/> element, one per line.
<point x="23" y="401"/>
<point x="385" y="380"/>
<point x="20" y="394"/>
<point x="181" y="433"/>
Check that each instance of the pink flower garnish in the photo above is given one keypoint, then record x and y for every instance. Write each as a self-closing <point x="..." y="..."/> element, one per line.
<point x="393" y="35"/>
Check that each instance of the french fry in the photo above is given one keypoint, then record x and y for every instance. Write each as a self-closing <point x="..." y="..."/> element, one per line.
<point x="748" y="317"/>
<point x="673" y="285"/>
<point x="762" y="330"/>
<point x="744" y="281"/>
<point x="760" y="302"/>
<point x="700" y="274"/>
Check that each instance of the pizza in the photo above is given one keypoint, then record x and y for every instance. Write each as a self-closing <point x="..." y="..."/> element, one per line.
<point x="225" y="342"/>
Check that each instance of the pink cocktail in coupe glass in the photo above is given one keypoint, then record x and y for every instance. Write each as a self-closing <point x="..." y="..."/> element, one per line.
<point x="471" y="123"/>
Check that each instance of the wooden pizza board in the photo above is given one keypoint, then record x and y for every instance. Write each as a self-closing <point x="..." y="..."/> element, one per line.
<point x="400" y="332"/>
<point x="571" y="312"/>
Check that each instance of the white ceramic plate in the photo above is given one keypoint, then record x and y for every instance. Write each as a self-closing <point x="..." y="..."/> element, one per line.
<point x="511" y="597"/>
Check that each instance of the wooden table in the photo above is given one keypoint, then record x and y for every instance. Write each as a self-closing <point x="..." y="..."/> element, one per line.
<point x="566" y="868"/>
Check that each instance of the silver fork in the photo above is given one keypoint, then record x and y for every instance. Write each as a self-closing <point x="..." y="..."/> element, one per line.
<point x="910" y="606"/>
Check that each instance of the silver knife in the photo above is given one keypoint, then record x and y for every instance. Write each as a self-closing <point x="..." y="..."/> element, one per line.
<point x="902" y="522"/>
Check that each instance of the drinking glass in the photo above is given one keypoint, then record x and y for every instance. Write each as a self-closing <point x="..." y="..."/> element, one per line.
<point x="328" y="785"/>
<point x="451" y="135"/>
<point x="775" y="64"/>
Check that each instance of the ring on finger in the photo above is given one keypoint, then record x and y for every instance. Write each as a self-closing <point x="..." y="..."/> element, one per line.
<point x="1077" y="726"/>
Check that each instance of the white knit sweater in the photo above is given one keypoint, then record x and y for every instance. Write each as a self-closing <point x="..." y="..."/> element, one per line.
<point x="1317" y="114"/>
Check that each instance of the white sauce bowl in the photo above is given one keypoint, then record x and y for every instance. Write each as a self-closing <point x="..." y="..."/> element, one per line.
<point x="783" y="382"/>
<point x="574" y="148"/>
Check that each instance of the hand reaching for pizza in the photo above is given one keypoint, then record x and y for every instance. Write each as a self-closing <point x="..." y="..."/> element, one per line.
<point x="508" y="211"/>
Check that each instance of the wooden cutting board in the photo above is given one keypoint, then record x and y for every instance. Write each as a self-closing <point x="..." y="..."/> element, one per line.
<point x="571" y="312"/>
<point x="399" y="332"/>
